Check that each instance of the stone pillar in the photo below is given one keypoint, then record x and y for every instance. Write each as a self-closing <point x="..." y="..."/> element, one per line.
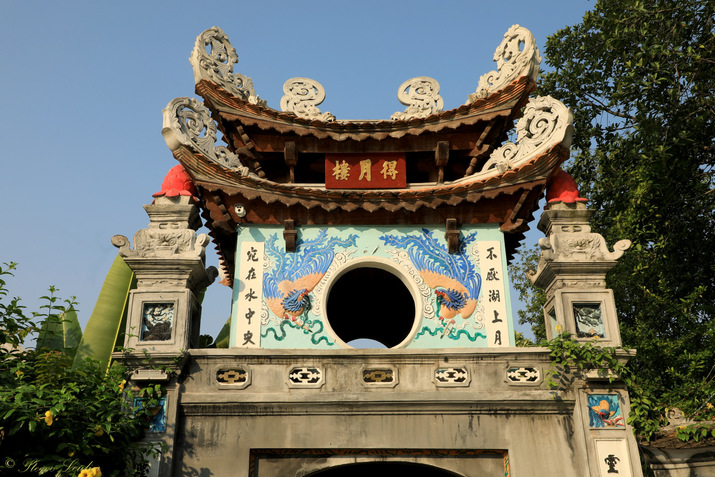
<point x="572" y="270"/>
<point x="164" y="314"/>
<point x="169" y="262"/>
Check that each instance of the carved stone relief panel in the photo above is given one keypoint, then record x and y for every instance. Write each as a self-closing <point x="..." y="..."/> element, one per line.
<point x="523" y="375"/>
<point x="589" y="320"/>
<point x="157" y="321"/>
<point x="379" y="376"/>
<point x="452" y="377"/>
<point x="306" y="377"/>
<point x="587" y="314"/>
<point x="233" y="377"/>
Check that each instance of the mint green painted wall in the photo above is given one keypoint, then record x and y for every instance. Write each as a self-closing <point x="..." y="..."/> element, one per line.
<point x="366" y="248"/>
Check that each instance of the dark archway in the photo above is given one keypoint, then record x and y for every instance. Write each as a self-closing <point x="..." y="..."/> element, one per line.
<point x="383" y="468"/>
<point x="371" y="303"/>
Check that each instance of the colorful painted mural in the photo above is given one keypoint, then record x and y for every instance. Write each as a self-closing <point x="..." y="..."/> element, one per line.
<point x="157" y="418"/>
<point x="452" y="278"/>
<point x="604" y="410"/>
<point x="291" y="278"/>
<point x="460" y="299"/>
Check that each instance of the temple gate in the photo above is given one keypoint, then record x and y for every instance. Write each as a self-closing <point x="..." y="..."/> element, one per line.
<point x="336" y="233"/>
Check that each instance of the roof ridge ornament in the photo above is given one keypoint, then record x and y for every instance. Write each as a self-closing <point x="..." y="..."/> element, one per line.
<point x="187" y="122"/>
<point x="513" y="62"/>
<point x="216" y="65"/>
<point x="421" y="96"/>
<point x="545" y="120"/>
<point x="302" y="96"/>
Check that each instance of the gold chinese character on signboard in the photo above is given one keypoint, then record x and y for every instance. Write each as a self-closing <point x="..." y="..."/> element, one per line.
<point x="389" y="168"/>
<point x="341" y="171"/>
<point x="365" y="170"/>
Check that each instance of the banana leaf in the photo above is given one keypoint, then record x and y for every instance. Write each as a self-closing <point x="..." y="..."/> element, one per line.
<point x="61" y="333"/>
<point x="106" y="324"/>
<point x="223" y="335"/>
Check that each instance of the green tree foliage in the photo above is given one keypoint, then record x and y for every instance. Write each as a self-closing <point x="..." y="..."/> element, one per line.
<point x="15" y="326"/>
<point x="59" y="419"/>
<point x="533" y="298"/>
<point x="639" y="76"/>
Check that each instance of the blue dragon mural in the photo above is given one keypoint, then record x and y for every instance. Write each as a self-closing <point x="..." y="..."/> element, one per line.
<point x="455" y="282"/>
<point x="293" y="276"/>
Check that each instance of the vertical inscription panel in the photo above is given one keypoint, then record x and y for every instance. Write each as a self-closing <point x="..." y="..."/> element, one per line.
<point x="494" y="293"/>
<point x="250" y="295"/>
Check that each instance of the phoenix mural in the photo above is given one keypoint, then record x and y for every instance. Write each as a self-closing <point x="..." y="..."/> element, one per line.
<point x="287" y="286"/>
<point x="452" y="277"/>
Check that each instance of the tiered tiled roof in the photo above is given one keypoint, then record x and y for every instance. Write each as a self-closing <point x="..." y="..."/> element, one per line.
<point x="273" y="169"/>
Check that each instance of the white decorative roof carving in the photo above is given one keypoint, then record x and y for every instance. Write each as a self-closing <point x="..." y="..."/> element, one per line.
<point x="516" y="56"/>
<point x="302" y="97"/>
<point x="213" y="58"/>
<point x="546" y="121"/>
<point x="421" y="96"/>
<point x="188" y="122"/>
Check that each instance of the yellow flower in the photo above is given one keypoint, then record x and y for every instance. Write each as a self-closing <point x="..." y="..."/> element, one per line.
<point x="49" y="418"/>
<point x="19" y="373"/>
<point x="710" y="405"/>
<point x="93" y="472"/>
<point x="559" y="329"/>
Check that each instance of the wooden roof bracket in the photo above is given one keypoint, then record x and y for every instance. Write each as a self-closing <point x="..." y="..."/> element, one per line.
<point x="224" y="222"/>
<point x="480" y="149"/>
<point x="290" y="234"/>
<point x="511" y="221"/>
<point x="451" y="234"/>
<point x="441" y="156"/>
<point x="249" y="150"/>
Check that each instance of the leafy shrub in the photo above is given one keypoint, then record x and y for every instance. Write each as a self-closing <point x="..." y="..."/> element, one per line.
<point x="59" y="419"/>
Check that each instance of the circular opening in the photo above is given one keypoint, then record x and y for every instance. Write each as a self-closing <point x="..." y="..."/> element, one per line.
<point x="370" y="304"/>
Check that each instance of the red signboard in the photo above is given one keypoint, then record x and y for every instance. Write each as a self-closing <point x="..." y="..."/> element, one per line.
<point x="365" y="171"/>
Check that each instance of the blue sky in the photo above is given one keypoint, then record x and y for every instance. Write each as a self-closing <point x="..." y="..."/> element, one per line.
<point x="83" y="84"/>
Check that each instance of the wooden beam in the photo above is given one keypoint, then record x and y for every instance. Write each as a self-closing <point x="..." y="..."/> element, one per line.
<point x="291" y="157"/>
<point x="290" y="234"/>
<point x="441" y="156"/>
<point x="451" y="234"/>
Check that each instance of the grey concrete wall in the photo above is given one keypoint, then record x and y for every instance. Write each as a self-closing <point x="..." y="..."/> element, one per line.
<point x="265" y="427"/>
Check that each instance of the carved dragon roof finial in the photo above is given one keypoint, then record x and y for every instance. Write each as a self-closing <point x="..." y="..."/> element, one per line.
<point x="302" y="97"/>
<point x="544" y="120"/>
<point x="513" y="62"/>
<point x="187" y="122"/>
<point x="213" y="58"/>
<point x="421" y="96"/>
